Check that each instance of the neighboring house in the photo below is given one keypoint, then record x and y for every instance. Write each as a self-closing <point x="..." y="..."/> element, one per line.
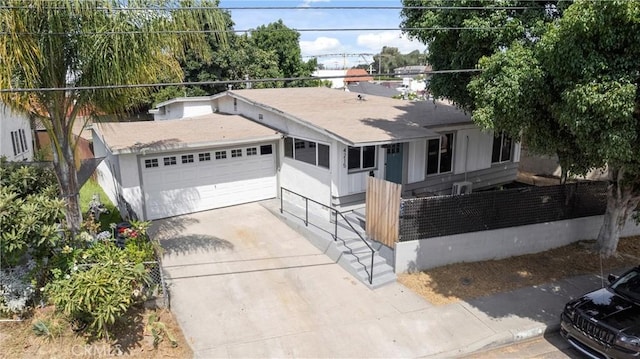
<point x="245" y="145"/>
<point x="82" y="132"/>
<point x="356" y="76"/>
<point x="335" y="76"/>
<point x="16" y="140"/>
<point x="412" y="71"/>
<point x="369" y="88"/>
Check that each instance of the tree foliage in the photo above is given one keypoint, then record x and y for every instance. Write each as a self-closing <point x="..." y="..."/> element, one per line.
<point x="390" y="58"/>
<point x="29" y="213"/>
<point x="268" y="52"/>
<point x="70" y="44"/>
<point x="575" y="93"/>
<point x="457" y="39"/>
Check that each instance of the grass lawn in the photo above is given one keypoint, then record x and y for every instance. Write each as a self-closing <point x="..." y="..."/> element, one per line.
<point x="86" y="193"/>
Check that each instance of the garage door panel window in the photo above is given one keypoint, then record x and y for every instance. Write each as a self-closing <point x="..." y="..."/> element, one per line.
<point x="266" y="150"/>
<point x="361" y="158"/>
<point x="252" y="151"/>
<point x="221" y="155"/>
<point x="170" y="161"/>
<point x="187" y="158"/>
<point x="151" y="163"/>
<point x="236" y="153"/>
<point x="206" y="156"/>
<point x="313" y="153"/>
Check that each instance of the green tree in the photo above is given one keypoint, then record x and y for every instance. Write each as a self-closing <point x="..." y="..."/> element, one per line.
<point x="29" y="213"/>
<point x="53" y="44"/>
<point x="284" y="42"/>
<point x="576" y="93"/>
<point x="485" y="32"/>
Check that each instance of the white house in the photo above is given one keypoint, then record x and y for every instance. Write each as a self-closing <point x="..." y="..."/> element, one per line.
<point x="245" y="145"/>
<point x="16" y="139"/>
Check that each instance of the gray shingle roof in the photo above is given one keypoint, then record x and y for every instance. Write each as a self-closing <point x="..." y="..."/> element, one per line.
<point x="200" y="131"/>
<point x="373" y="120"/>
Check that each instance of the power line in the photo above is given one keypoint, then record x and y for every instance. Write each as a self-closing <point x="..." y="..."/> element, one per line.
<point x="192" y="8"/>
<point x="221" y="82"/>
<point x="87" y="33"/>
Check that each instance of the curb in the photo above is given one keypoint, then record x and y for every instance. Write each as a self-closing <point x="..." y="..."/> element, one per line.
<point x="498" y="340"/>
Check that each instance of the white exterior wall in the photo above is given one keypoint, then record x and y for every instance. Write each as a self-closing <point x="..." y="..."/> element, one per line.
<point x="130" y="183"/>
<point x="198" y="108"/>
<point x="478" y="152"/>
<point x="497" y="244"/>
<point x="11" y="121"/>
<point x="172" y="111"/>
<point x="355" y="182"/>
<point x="118" y="176"/>
<point x="336" y="83"/>
<point x="108" y="171"/>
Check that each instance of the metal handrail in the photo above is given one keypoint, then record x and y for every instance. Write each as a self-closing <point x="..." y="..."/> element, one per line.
<point x="336" y="213"/>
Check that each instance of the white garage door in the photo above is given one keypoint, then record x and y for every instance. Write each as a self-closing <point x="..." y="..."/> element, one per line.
<point x="186" y="182"/>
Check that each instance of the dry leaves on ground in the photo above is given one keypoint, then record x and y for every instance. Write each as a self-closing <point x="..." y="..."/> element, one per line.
<point x="133" y="340"/>
<point x="463" y="281"/>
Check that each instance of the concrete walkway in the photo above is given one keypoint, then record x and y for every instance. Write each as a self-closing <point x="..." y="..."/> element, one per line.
<point x="243" y="284"/>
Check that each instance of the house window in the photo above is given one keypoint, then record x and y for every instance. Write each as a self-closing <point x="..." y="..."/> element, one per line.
<point x="502" y="148"/>
<point x="19" y="142"/>
<point x="205" y="156"/>
<point x="235" y="105"/>
<point x="14" y="142"/>
<point x="260" y="117"/>
<point x="252" y="151"/>
<point x="323" y="155"/>
<point x="151" y="163"/>
<point x="310" y="152"/>
<point x="23" y="140"/>
<point x="362" y="158"/>
<point x="221" y="155"/>
<point x="236" y="153"/>
<point x="266" y="150"/>
<point x="187" y="158"/>
<point x="440" y="154"/>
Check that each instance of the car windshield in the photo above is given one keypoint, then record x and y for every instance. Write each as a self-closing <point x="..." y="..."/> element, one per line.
<point x="628" y="285"/>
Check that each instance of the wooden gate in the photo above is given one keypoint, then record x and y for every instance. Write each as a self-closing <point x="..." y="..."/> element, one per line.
<point x="383" y="211"/>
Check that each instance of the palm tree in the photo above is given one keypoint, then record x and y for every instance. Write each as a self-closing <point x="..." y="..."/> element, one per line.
<point x="64" y="51"/>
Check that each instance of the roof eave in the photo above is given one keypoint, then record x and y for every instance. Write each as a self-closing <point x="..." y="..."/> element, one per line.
<point x="192" y="146"/>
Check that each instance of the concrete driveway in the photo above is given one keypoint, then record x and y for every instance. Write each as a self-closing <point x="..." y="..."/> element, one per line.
<point x="243" y="284"/>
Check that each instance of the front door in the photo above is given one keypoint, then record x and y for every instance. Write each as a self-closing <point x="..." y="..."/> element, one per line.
<point x="393" y="165"/>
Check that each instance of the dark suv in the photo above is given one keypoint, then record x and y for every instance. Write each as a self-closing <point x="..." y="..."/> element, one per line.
<point x="606" y="323"/>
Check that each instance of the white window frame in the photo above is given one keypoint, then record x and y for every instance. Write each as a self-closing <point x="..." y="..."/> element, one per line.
<point x="361" y="167"/>
<point x="439" y="172"/>
<point x="312" y="145"/>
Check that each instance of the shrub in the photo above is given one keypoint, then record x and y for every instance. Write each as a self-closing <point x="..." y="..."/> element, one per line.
<point x="16" y="290"/>
<point x="102" y="292"/>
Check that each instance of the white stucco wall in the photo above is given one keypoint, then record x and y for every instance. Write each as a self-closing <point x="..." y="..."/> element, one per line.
<point x="11" y="121"/>
<point x="497" y="244"/>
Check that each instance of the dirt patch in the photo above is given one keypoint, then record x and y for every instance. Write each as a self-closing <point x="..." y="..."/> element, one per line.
<point x="463" y="281"/>
<point x="18" y="340"/>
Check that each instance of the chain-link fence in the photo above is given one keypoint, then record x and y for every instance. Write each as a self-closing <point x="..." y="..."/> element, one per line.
<point x="155" y="289"/>
<point x="428" y="217"/>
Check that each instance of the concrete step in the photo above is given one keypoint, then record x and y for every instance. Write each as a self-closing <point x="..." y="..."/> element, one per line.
<point x="349" y="251"/>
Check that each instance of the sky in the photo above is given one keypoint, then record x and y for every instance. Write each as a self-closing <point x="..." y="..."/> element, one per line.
<point x="358" y="45"/>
